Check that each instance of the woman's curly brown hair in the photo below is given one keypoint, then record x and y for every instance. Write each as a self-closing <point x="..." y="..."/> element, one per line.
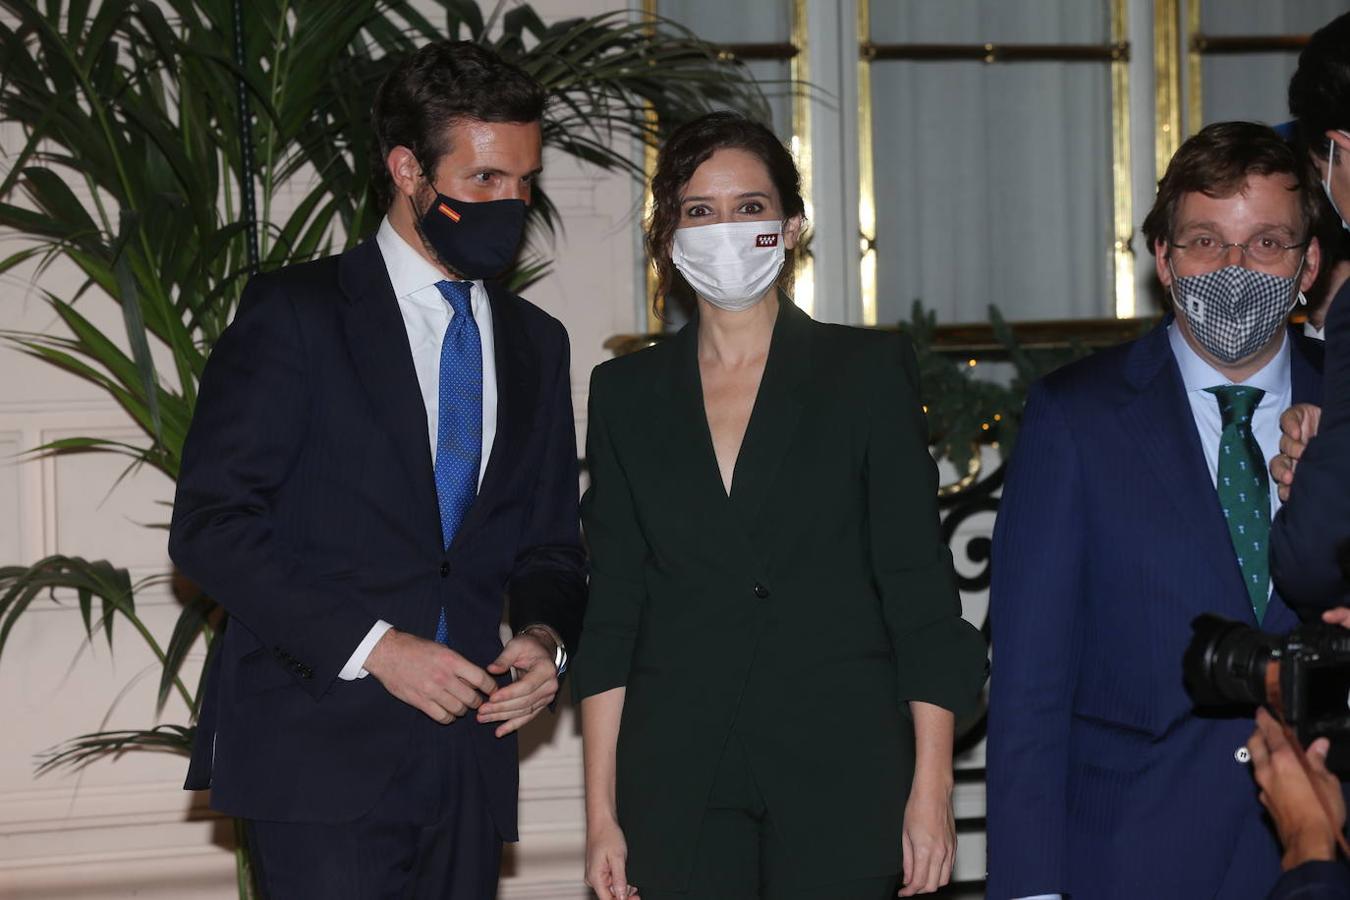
<point x="688" y="147"/>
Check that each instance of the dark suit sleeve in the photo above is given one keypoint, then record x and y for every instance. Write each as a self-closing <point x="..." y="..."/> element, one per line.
<point x="245" y="440"/>
<point x="1314" y="881"/>
<point x="548" y="584"/>
<point x="618" y="554"/>
<point x="939" y="655"/>
<point x="1038" y="565"/>
<point x="1312" y="530"/>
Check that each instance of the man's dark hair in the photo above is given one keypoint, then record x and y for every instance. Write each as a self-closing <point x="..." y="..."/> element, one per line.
<point x="687" y="148"/>
<point x="1319" y="93"/>
<point x="1217" y="162"/>
<point x="441" y="84"/>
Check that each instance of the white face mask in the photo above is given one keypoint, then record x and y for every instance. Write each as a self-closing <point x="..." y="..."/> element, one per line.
<point x="1326" y="180"/>
<point x="731" y="264"/>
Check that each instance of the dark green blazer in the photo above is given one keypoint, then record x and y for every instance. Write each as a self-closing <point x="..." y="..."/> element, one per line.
<point x="803" y="611"/>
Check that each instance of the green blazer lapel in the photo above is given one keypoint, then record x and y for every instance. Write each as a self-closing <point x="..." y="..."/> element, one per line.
<point x="778" y="406"/>
<point x="687" y="442"/>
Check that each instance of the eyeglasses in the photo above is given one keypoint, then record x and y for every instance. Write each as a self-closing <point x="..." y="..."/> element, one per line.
<point x="1263" y="250"/>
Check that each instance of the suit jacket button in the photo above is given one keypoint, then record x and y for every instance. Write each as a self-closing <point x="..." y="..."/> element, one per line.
<point x="761" y="591"/>
<point x="445" y="569"/>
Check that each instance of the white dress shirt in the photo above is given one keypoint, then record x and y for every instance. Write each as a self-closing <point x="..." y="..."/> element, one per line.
<point x="1196" y="375"/>
<point x="426" y="316"/>
<point x="1314" y="332"/>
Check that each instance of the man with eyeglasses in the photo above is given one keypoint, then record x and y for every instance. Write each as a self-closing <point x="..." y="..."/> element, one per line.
<point x="1136" y="500"/>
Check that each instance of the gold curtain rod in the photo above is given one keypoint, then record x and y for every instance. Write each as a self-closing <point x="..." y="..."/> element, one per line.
<point x="1284" y="43"/>
<point x="757" y="51"/>
<point x="997" y="53"/>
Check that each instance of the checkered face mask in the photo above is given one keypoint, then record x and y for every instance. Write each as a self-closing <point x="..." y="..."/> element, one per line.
<point x="1234" y="311"/>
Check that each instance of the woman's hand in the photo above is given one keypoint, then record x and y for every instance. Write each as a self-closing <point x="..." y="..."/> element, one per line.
<point x="930" y="837"/>
<point x="607" y="862"/>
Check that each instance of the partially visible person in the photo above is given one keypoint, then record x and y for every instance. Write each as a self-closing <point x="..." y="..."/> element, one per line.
<point x="1335" y="273"/>
<point x="1136" y="500"/>
<point x="1311" y="536"/>
<point x="773" y="658"/>
<point x="1308" y="810"/>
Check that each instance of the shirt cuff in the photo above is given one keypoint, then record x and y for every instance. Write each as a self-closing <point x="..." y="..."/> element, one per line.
<point x="1043" y="897"/>
<point x="354" y="668"/>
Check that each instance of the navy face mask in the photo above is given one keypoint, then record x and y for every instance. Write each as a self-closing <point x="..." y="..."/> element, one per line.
<point x="477" y="240"/>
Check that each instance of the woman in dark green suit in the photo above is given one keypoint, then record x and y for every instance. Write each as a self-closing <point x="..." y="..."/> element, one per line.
<point x="773" y="652"/>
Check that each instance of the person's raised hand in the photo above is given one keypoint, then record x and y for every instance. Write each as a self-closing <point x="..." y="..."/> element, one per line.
<point x="1298" y="426"/>
<point x="1308" y="812"/>
<point x="428" y="675"/>
<point x="1338" y="616"/>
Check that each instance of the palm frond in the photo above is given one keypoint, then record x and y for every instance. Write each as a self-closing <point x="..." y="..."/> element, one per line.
<point x="79" y="752"/>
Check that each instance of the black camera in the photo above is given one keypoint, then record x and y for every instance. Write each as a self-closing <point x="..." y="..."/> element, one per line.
<point x="1302" y="676"/>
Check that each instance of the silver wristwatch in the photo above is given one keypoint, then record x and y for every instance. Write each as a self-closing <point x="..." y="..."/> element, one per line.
<point x="560" y="653"/>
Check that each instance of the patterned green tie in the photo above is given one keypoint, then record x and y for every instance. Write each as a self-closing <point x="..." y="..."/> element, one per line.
<point x="1244" y="491"/>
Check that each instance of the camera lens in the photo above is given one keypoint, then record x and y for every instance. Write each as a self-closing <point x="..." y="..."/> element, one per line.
<point x="1225" y="663"/>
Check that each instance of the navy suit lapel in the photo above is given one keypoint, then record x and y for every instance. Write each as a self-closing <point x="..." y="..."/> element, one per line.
<point x="378" y="342"/>
<point x="517" y="389"/>
<point x="1158" y="417"/>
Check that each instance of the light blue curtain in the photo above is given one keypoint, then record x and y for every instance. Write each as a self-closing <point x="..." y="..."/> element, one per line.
<point x="993" y="182"/>
<point x="745" y="22"/>
<point x="1255" y="86"/>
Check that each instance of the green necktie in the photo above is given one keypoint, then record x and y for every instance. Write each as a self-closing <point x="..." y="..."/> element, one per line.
<point x="1244" y="491"/>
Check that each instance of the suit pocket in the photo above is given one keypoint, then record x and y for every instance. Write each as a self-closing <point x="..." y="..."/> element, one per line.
<point x="1110" y="746"/>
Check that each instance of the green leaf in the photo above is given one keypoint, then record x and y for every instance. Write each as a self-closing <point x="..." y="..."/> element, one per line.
<point x="81" y="751"/>
<point x="192" y="622"/>
<point x="136" y="332"/>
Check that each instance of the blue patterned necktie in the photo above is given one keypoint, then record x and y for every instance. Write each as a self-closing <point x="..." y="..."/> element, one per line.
<point x="459" y="418"/>
<point x="1244" y="490"/>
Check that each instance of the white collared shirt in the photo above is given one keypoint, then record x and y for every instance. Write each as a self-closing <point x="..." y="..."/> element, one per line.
<point x="426" y="316"/>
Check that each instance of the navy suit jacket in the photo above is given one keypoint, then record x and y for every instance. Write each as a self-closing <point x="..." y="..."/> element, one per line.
<point x="307" y="508"/>
<point x="1314" y="881"/>
<point x="1312" y="531"/>
<point x="1102" y="781"/>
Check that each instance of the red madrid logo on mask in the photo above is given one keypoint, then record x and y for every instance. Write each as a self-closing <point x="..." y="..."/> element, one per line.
<point x="766" y="240"/>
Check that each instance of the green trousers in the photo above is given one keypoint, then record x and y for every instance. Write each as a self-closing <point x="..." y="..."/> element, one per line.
<point x="739" y="856"/>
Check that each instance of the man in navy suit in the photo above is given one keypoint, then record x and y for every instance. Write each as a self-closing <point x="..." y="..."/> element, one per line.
<point x="382" y="452"/>
<point x="1136" y="500"/>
